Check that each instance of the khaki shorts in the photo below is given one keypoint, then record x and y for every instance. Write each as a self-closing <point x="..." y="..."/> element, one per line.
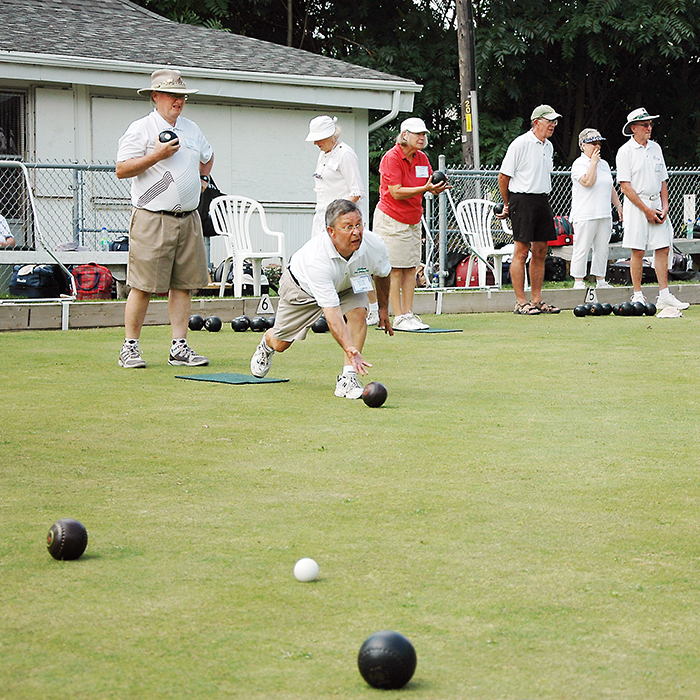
<point x="166" y="252"/>
<point x="403" y="241"/>
<point x="297" y="310"/>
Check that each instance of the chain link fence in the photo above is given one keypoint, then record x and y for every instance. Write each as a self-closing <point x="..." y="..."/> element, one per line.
<point x="85" y="206"/>
<point x="78" y="206"/>
<point x="483" y="184"/>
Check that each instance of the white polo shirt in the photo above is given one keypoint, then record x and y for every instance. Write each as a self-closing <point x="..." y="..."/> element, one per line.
<point x="172" y="184"/>
<point x="594" y="202"/>
<point x="5" y="233"/>
<point x="323" y="272"/>
<point x="528" y="163"/>
<point x="643" y="167"/>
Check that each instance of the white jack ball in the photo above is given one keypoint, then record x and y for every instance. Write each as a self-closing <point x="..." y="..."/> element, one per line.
<point x="306" y="570"/>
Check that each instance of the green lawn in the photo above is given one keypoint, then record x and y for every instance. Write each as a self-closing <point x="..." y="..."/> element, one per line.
<point x="524" y="508"/>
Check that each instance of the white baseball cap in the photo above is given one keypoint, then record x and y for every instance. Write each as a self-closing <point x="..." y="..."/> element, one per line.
<point x="415" y="125"/>
<point x="320" y="128"/>
<point x="544" y="112"/>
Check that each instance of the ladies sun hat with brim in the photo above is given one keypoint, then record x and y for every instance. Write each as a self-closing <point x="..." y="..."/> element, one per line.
<point x="638" y="115"/>
<point x="321" y="128"/>
<point x="167" y="80"/>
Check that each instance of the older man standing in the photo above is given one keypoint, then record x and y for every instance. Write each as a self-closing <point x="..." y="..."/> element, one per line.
<point x="331" y="275"/>
<point x="525" y="183"/>
<point x="642" y="175"/>
<point x="167" y="157"/>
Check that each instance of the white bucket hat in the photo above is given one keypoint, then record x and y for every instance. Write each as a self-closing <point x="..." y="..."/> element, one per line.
<point x="320" y="128"/>
<point x="638" y="115"/>
<point x="167" y="80"/>
<point x="414" y="125"/>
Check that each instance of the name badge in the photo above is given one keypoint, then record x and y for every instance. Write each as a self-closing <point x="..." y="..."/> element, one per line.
<point x="361" y="283"/>
<point x="421" y="171"/>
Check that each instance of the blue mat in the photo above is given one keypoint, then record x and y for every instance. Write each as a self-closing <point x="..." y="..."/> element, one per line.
<point x="427" y="330"/>
<point x="231" y="378"/>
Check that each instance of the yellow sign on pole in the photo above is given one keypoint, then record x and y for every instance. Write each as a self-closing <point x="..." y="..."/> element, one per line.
<point x="468" y="115"/>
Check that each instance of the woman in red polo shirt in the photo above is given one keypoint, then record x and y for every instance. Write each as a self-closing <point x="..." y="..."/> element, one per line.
<point x="404" y="178"/>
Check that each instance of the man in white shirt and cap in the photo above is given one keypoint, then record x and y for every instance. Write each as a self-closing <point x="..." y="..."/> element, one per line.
<point x="642" y="175"/>
<point x="525" y="182"/>
<point x="167" y="158"/>
<point x="331" y="274"/>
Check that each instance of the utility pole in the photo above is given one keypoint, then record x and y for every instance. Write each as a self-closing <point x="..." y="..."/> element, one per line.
<point x="467" y="84"/>
<point x="290" y="23"/>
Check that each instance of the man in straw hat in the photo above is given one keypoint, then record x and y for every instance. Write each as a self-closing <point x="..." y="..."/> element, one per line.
<point x="167" y="158"/>
<point x="524" y="182"/>
<point x="642" y="175"/>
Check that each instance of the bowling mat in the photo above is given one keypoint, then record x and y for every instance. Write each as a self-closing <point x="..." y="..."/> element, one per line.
<point x="427" y="330"/>
<point x="230" y="378"/>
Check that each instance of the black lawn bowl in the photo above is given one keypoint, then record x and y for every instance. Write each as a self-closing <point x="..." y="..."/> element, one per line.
<point x="616" y="309"/>
<point x="196" y="323"/>
<point x="240" y="324"/>
<point x="626" y="309"/>
<point x="213" y="324"/>
<point x="270" y="320"/>
<point x="320" y="326"/>
<point x="650" y="309"/>
<point x="374" y="394"/>
<point x="639" y="308"/>
<point x="167" y="136"/>
<point x="258" y="323"/>
<point x="596" y="309"/>
<point x="67" y="539"/>
<point x="580" y="311"/>
<point x="607" y="309"/>
<point x="438" y="177"/>
<point x="387" y="660"/>
<point x="498" y="209"/>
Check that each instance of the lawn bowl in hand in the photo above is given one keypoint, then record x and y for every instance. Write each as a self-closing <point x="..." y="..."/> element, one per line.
<point x="498" y="209"/>
<point x="306" y="570"/>
<point x="213" y="324"/>
<point x="167" y="136"/>
<point x="374" y="394"/>
<point x="437" y="177"/>
<point x="67" y="539"/>
<point x="387" y="660"/>
<point x="196" y="323"/>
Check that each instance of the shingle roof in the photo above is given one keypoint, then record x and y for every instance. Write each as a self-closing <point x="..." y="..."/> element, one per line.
<point x="121" y="30"/>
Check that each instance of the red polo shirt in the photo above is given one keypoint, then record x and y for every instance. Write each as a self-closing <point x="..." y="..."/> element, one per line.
<point x="396" y="170"/>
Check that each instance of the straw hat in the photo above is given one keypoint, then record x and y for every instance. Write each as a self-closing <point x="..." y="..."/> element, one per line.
<point x="167" y="80"/>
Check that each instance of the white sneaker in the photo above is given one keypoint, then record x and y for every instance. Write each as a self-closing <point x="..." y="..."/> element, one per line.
<point x="348" y="386"/>
<point x="580" y="285"/>
<point x="130" y="357"/>
<point x="261" y="361"/>
<point x="603" y="284"/>
<point x="670" y="300"/>
<point x="638" y="296"/>
<point x="404" y="323"/>
<point x="417" y="323"/>
<point x="372" y="318"/>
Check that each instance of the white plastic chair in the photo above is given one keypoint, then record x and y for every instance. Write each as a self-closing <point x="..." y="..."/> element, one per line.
<point x="232" y="217"/>
<point x="475" y="218"/>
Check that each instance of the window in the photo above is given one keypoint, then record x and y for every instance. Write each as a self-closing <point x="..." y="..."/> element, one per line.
<point x="12" y="125"/>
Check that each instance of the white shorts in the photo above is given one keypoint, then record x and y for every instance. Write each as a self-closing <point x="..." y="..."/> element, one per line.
<point x="639" y="233"/>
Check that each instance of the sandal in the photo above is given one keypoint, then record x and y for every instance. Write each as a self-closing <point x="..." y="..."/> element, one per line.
<point x="545" y="308"/>
<point x="526" y="309"/>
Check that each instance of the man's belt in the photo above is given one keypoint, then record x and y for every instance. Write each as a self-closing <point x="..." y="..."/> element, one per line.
<point x="176" y="214"/>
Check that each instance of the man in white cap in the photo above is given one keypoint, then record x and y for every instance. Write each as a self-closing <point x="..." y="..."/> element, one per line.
<point x="642" y="175"/>
<point x="167" y="158"/>
<point x="524" y="182"/>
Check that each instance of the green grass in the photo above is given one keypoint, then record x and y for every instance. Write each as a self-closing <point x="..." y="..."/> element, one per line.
<point x="524" y="508"/>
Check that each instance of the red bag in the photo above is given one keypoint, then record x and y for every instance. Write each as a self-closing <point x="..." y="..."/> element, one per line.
<point x="564" y="231"/>
<point x="93" y="281"/>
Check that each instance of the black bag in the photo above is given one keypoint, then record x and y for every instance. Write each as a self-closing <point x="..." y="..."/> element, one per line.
<point x="247" y="278"/>
<point x="119" y="244"/>
<point x="205" y="199"/>
<point x="38" y="281"/>
<point x="554" y="269"/>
